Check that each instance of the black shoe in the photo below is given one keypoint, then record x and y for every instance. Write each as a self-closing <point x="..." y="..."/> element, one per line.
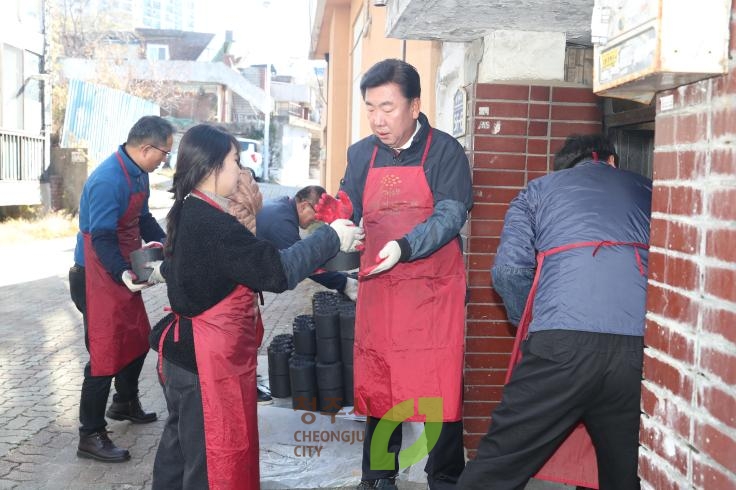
<point x="385" y="483"/>
<point x="98" y="446"/>
<point x="263" y="397"/>
<point x="131" y="410"/>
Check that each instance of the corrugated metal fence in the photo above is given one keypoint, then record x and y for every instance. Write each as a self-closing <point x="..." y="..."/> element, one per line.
<point x="98" y="118"/>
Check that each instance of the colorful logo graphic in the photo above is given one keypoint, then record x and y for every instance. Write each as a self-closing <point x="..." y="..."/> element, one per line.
<point x="381" y="458"/>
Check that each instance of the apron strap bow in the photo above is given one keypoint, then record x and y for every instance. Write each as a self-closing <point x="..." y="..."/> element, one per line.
<point x="175" y="323"/>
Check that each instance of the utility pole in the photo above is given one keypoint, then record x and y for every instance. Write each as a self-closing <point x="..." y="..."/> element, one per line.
<point x="267" y="124"/>
<point x="267" y="113"/>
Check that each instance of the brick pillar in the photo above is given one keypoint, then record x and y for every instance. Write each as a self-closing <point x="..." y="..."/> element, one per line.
<point x="515" y="130"/>
<point x="688" y="428"/>
<point x="57" y="192"/>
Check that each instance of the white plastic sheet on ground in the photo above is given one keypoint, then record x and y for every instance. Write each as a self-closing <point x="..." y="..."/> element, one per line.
<point x="304" y="450"/>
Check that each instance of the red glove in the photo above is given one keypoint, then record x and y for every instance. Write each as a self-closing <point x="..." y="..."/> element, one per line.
<point x="328" y="209"/>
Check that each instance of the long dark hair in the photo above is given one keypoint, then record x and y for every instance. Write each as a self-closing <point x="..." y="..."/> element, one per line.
<point x="202" y="150"/>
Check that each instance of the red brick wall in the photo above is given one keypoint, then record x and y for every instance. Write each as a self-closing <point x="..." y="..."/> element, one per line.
<point x="688" y="430"/>
<point x="515" y="130"/>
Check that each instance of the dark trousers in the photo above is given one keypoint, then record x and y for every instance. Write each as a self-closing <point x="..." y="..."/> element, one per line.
<point x="564" y="377"/>
<point x="445" y="462"/>
<point x="180" y="460"/>
<point x="96" y="389"/>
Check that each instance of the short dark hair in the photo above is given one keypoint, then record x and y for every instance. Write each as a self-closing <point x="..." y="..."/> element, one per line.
<point x="580" y="147"/>
<point x="393" y="71"/>
<point x="311" y="193"/>
<point x="153" y="130"/>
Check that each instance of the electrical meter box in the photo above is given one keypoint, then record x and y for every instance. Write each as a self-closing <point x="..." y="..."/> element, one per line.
<point x="644" y="46"/>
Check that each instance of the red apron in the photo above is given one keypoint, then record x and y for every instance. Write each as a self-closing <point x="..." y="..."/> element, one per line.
<point x="574" y="462"/>
<point x="410" y="320"/>
<point x="226" y="340"/>
<point x="117" y="322"/>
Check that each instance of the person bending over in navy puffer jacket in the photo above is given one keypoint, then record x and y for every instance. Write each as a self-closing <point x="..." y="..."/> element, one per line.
<point x="574" y="247"/>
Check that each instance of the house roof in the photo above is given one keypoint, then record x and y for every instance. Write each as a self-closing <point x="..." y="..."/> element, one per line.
<point x="183" y="45"/>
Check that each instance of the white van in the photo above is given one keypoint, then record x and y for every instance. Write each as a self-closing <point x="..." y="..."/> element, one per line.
<point x="251" y="156"/>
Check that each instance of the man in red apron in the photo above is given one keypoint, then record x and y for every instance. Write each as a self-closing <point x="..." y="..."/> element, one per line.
<point x="410" y="185"/>
<point x="113" y="219"/>
<point x="574" y="251"/>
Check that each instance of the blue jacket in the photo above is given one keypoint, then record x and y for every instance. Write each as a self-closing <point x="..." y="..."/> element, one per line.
<point x="278" y="223"/>
<point x="605" y="293"/>
<point x="105" y="198"/>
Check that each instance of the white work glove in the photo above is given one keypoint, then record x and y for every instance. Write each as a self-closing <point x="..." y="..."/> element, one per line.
<point x="128" y="278"/>
<point x="360" y="247"/>
<point x="389" y="256"/>
<point x="351" y="289"/>
<point x="350" y="235"/>
<point x="156" y="277"/>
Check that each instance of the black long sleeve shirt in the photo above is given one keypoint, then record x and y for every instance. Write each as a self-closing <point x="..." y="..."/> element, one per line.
<point x="212" y="254"/>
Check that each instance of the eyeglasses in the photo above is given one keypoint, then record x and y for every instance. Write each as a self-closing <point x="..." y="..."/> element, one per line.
<point x="167" y="153"/>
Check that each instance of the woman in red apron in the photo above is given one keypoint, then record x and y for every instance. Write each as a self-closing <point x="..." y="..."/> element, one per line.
<point x="208" y="345"/>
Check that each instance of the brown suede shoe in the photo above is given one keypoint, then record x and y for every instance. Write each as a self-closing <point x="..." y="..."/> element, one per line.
<point x="99" y="446"/>
<point x="131" y="410"/>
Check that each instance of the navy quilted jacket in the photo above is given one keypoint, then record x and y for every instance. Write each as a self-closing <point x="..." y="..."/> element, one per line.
<point x="592" y="201"/>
